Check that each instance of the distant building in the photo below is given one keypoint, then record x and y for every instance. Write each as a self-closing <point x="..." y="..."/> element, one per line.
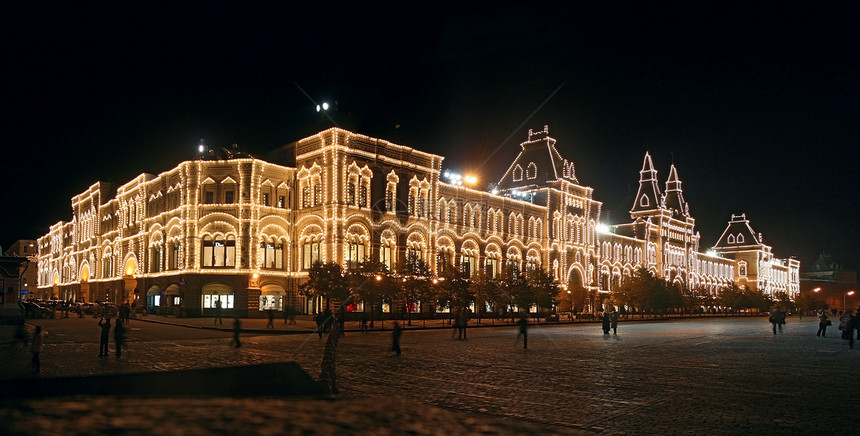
<point x="244" y="230"/>
<point x="830" y="282"/>
<point x="29" y="273"/>
<point x="757" y="268"/>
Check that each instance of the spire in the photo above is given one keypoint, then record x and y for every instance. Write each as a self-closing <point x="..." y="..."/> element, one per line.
<point x="648" y="196"/>
<point x="674" y="197"/>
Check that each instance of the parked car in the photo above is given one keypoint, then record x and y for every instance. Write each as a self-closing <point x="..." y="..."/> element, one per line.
<point x="33" y="310"/>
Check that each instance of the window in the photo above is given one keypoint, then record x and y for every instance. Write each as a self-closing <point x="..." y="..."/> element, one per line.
<point x="174" y="259"/>
<point x="156" y="259"/>
<point x="467" y="265"/>
<point x="740" y="238"/>
<point x="218" y="252"/>
<point x="445" y="260"/>
<point x="386" y="256"/>
<point x="282" y="203"/>
<point x="518" y="173"/>
<point x="350" y="193"/>
<point x="210" y="300"/>
<point x="354" y="254"/>
<point x="389" y="198"/>
<point x="742" y="269"/>
<point x="209" y="197"/>
<point x="413" y="253"/>
<point x="531" y="171"/>
<point x="491" y="266"/>
<point x="362" y="196"/>
<point x="310" y="254"/>
<point x="266" y="199"/>
<point x="228" y="197"/>
<point x="273" y="254"/>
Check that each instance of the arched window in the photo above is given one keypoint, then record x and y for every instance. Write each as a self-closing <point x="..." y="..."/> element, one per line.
<point x="518" y="173"/>
<point x="740" y="239"/>
<point x="350" y="192"/>
<point x="731" y="239"/>
<point x="531" y="171"/>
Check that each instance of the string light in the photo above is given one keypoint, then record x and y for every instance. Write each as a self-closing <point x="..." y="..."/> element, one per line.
<point x="154" y="212"/>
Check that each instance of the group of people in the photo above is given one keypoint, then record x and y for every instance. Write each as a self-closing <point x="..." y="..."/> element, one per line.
<point x="118" y="336"/>
<point x="848" y="324"/>
<point x="609" y="320"/>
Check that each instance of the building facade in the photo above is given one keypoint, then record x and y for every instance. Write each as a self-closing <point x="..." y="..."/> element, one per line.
<point x="244" y="230"/>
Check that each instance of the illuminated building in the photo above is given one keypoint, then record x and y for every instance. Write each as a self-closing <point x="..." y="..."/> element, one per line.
<point x="245" y="230"/>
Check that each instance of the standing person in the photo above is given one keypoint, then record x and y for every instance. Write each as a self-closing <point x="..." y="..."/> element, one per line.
<point x="613" y="319"/>
<point x="605" y="322"/>
<point x="857" y="322"/>
<point x="777" y="319"/>
<point x="237" y="327"/>
<point x="36" y="348"/>
<point x="21" y="334"/>
<point x="363" y="326"/>
<point x="118" y="337"/>
<point x="396" y="332"/>
<point x="104" y="323"/>
<point x="464" y="321"/>
<point x="218" y="312"/>
<point x="319" y="320"/>
<point x="271" y="314"/>
<point x="523" y="324"/>
<point x="846" y="324"/>
<point x="823" y="322"/>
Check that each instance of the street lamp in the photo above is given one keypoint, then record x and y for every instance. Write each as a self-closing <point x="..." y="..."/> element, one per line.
<point x="845" y="299"/>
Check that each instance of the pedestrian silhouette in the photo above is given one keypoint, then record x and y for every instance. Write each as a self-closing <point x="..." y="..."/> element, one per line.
<point x="21" y="334"/>
<point x="605" y="322"/>
<point x="396" y="332"/>
<point x="823" y="322"/>
<point x="237" y="327"/>
<point x="613" y="320"/>
<point x="523" y="324"/>
<point x="104" y="323"/>
<point x="119" y="337"/>
<point x="271" y="313"/>
<point x="36" y="348"/>
<point x="218" y="312"/>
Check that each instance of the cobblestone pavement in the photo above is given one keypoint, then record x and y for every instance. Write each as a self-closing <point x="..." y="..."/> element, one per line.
<point x="722" y="376"/>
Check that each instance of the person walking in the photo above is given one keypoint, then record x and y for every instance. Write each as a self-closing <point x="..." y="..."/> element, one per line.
<point x="237" y="328"/>
<point x="36" y="348"/>
<point x="605" y="322"/>
<point x="613" y="319"/>
<point x="777" y="319"/>
<point x="271" y="315"/>
<point x="396" y="332"/>
<point x="104" y="323"/>
<point x="119" y="337"/>
<point x="523" y="324"/>
<point x="319" y="320"/>
<point x="218" y="319"/>
<point x="823" y="322"/>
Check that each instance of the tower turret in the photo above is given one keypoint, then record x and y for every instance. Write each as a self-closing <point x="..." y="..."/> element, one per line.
<point x="648" y="198"/>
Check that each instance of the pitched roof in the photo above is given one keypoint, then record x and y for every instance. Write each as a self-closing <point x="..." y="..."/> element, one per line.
<point x="648" y="197"/>
<point x="738" y="233"/>
<point x="538" y="163"/>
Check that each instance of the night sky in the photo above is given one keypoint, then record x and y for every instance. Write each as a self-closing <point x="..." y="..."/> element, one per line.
<point x="757" y="105"/>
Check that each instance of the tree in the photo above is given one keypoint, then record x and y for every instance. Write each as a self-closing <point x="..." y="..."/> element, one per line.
<point x="414" y="283"/>
<point x="327" y="281"/>
<point x="486" y="291"/>
<point x="578" y="294"/>
<point x="544" y="290"/>
<point x="371" y="282"/>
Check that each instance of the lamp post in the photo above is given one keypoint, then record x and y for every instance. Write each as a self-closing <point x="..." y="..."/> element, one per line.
<point x="845" y="300"/>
